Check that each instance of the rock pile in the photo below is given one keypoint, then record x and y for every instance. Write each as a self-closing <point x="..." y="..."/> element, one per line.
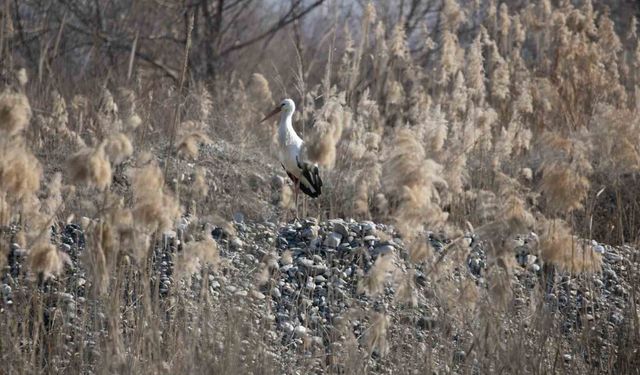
<point x="303" y="279"/>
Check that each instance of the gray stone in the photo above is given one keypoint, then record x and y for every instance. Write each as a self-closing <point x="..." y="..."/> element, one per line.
<point x="305" y="262"/>
<point x="66" y="297"/>
<point x="6" y="290"/>
<point x="309" y="221"/>
<point x="257" y="295"/>
<point x="368" y="227"/>
<point x="241" y="293"/>
<point x="317" y="341"/>
<point x="333" y="240"/>
<point x="533" y="267"/>
<point x="237" y="243"/>
<point x="231" y="288"/>
<point x="345" y="246"/>
<point x="309" y="233"/>
<point x="275" y="293"/>
<point x="319" y="268"/>
<point x="616" y="318"/>
<point x="287" y="327"/>
<point x="370" y="238"/>
<point x="297" y="250"/>
<point x="282" y="242"/>
<point x="610" y="274"/>
<point x="238" y="217"/>
<point x="286" y="267"/>
<point x="611" y="257"/>
<point x="310" y="285"/>
<point x="341" y="229"/>
<point x="383" y="250"/>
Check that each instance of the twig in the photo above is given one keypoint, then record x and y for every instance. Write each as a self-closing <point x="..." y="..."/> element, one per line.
<point x="284" y="21"/>
<point x="176" y="114"/>
<point x="132" y="57"/>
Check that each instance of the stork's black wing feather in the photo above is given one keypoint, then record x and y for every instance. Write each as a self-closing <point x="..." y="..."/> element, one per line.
<point x="311" y="175"/>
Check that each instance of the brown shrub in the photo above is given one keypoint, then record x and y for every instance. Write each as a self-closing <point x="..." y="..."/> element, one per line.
<point x="15" y="113"/>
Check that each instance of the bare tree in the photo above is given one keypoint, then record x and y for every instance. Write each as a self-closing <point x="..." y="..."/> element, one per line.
<point x="98" y="34"/>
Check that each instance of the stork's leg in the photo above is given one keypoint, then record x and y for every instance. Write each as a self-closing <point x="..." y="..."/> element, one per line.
<point x="285" y="212"/>
<point x="297" y="191"/>
<point x="304" y="207"/>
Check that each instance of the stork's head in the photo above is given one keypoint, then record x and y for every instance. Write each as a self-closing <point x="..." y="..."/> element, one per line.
<point x="287" y="106"/>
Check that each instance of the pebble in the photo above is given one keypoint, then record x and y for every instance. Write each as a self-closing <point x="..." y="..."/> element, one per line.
<point x="616" y="318"/>
<point x="597" y="247"/>
<point x="6" y="290"/>
<point x="345" y="246"/>
<point x="318" y="268"/>
<point x="300" y="331"/>
<point x="383" y="250"/>
<point x="341" y="229"/>
<point x="370" y="238"/>
<point x="311" y="285"/>
<point x="305" y="262"/>
<point x="535" y="268"/>
<point x="237" y="243"/>
<point x="368" y="227"/>
<point x="275" y="293"/>
<point x="66" y="297"/>
<point x="231" y="289"/>
<point x="309" y="233"/>
<point x="317" y="341"/>
<point x="610" y="274"/>
<point x="238" y="217"/>
<point x="333" y="240"/>
<point x="611" y="257"/>
<point x="286" y="267"/>
<point x="288" y="327"/>
<point x="315" y="286"/>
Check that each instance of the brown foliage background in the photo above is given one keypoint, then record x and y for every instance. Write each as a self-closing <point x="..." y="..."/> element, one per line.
<point x="508" y="117"/>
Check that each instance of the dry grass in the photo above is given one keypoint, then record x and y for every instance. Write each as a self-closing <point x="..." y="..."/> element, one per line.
<point x="15" y="112"/>
<point x="90" y="166"/>
<point x="499" y="119"/>
<point x="559" y="247"/>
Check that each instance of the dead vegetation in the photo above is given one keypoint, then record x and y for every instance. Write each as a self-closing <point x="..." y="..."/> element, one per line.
<point x="493" y="118"/>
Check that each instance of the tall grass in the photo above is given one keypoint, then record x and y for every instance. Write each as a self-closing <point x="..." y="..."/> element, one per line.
<point x="499" y="119"/>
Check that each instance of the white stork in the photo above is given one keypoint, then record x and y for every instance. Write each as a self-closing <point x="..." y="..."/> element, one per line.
<point x="305" y="175"/>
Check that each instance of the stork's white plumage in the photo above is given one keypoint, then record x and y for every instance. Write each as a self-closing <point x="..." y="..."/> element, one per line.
<point x="305" y="175"/>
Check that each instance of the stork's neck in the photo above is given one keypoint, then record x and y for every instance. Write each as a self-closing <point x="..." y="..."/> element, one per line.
<point x="286" y="132"/>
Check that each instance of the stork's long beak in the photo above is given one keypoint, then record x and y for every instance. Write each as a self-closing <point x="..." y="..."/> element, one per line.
<point x="273" y="113"/>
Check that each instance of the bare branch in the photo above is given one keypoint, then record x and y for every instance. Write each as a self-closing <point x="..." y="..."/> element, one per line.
<point x="289" y="17"/>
